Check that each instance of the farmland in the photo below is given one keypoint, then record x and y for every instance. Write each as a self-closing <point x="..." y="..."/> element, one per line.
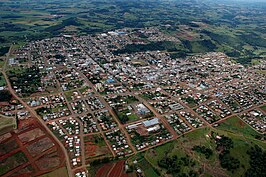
<point x="58" y="172"/>
<point x="7" y="124"/>
<point x="27" y="149"/>
<point x="238" y="33"/>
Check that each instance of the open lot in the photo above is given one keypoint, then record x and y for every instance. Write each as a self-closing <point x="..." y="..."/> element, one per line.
<point x="95" y="147"/>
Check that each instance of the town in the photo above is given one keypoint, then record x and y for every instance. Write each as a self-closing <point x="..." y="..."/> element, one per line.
<point x="102" y="97"/>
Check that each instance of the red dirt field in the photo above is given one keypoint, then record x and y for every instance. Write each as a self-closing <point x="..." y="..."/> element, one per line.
<point x="41" y="152"/>
<point x="117" y="169"/>
<point x="104" y="170"/>
<point x="26" y="124"/>
<point x="112" y="170"/>
<point x="90" y="149"/>
<point x="95" y="147"/>
<point x="124" y="175"/>
<point x="30" y="135"/>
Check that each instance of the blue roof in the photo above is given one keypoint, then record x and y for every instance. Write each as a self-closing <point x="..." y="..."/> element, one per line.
<point x="110" y="80"/>
<point x="151" y="122"/>
<point x="121" y="32"/>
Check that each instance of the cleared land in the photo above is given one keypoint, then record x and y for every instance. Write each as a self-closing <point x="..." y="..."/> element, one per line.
<point x="56" y="173"/>
<point x="7" y="124"/>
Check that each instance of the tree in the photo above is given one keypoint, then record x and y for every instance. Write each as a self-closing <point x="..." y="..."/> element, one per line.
<point x="257" y="162"/>
<point x="228" y="162"/>
<point x="5" y="96"/>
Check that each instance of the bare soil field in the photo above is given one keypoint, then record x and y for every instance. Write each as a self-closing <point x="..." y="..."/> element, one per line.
<point x="31" y="135"/>
<point x="8" y="146"/>
<point x="29" y="151"/>
<point x="95" y="147"/>
<point x="40" y="146"/>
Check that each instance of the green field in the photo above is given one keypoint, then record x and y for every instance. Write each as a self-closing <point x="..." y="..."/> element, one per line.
<point x="199" y="25"/>
<point x="2" y="80"/>
<point x="183" y="147"/>
<point x="68" y="95"/>
<point x="236" y="125"/>
<point x="2" y="62"/>
<point x="263" y="108"/>
<point x="7" y="124"/>
<point x="147" y="168"/>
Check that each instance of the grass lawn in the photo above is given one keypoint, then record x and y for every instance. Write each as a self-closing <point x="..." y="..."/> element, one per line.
<point x="6" y="121"/>
<point x="124" y="113"/>
<point x="236" y="125"/>
<point x="131" y="99"/>
<point x="15" y="69"/>
<point x="241" y="144"/>
<point x="146" y="96"/>
<point x="2" y="80"/>
<point x="68" y="95"/>
<point x="2" y="62"/>
<point x="263" y="108"/>
<point x="99" y="140"/>
<point x="147" y="168"/>
<point x="84" y="89"/>
<point x="159" y="152"/>
<point x="133" y="117"/>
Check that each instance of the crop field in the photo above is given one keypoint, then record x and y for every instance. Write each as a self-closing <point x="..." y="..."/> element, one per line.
<point x="29" y="140"/>
<point x="40" y="146"/>
<point x="8" y="146"/>
<point x="49" y="161"/>
<point x="245" y="41"/>
<point x="112" y="170"/>
<point x="58" y="172"/>
<point x="12" y="162"/>
<point x="7" y="124"/>
<point x="31" y="135"/>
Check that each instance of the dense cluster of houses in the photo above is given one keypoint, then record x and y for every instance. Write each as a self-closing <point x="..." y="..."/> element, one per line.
<point x="90" y="83"/>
